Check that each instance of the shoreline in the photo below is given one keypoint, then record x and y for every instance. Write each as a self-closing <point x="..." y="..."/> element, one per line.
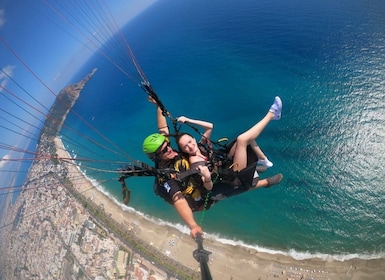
<point x="226" y="260"/>
<point x="297" y="256"/>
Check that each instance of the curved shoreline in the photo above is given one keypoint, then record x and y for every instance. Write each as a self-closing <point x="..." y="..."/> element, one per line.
<point x="296" y="255"/>
<point x="226" y="260"/>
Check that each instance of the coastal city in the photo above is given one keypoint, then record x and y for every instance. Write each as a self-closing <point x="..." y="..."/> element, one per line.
<point x="55" y="237"/>
<point x="57" y="233"/>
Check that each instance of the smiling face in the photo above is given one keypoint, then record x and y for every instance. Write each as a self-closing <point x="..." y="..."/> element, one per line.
<point x="165" y="152"/>
<point x="188" y="144"/>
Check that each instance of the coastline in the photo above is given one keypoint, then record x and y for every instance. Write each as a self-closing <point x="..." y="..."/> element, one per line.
<point x="226" y="261"/>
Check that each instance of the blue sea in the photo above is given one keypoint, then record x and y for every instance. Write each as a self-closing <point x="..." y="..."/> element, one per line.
<point x="225" y="61"/>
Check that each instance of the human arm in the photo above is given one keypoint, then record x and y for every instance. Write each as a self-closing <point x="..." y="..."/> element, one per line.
<point x="161" y="119"/>
<point x="206" y="177"/>
<point x="207" y="126"/>
<point x="162" y="122"/>
<point x="171" y="192"/>
<point x="186" y="214"/>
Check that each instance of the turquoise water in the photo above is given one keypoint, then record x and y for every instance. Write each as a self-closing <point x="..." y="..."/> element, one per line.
<point x="224" y="62"/>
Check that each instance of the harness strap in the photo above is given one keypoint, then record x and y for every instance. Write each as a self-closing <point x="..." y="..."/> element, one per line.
<point x="150" y="91"/>
<point x="187" y="173"/>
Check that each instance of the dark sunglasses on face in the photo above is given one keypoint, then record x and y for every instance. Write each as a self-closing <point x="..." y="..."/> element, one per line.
<point x="164" y="150"/>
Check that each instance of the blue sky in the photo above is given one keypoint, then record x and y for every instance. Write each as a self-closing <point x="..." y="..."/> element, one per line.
<point x="39" y="53"/>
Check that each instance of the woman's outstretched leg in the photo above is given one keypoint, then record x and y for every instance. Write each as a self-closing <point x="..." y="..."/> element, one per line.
<point x="240" y="152"/>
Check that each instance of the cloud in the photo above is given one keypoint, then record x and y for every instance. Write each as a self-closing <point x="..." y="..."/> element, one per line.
<point x="7" y="71"/>
<point x="2" y="17"/>
<point x="4" y="160"/>
<point x="58" y="75"/>
<point x="5" y="74"/>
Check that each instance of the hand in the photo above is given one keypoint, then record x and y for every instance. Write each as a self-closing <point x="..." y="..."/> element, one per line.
<point x="182" y="119"/>
<point x="196" y="230"/>
<point x="204" y="172"/>
<point x="152" y="100"/>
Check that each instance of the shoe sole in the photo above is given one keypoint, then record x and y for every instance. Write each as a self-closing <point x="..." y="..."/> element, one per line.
<point x="278" y="101"/>
<point x="274" y="180"/>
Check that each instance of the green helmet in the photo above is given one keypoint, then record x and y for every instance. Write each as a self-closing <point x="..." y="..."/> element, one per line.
<point x="152" y="143"/>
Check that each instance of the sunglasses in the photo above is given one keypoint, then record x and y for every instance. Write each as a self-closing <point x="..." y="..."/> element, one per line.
<point x="164" y="150"/>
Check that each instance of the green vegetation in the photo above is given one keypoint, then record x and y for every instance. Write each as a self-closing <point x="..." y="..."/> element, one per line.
<point x="80" y="274"/>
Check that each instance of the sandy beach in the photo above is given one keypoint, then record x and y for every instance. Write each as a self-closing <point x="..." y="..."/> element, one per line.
<point x="226" y="261"/>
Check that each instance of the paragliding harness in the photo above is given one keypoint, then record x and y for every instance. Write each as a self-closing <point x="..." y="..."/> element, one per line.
<point x="227" y="182"/>
<point x="139" y="168"/>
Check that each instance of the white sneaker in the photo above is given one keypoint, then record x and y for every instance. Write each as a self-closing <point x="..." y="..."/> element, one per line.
<point x="265" y="162"/>
<point x="276" y="108"/>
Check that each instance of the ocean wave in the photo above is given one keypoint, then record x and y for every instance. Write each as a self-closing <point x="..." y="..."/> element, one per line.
<point x="299" y="255"/>
<point x="232" y="242"/>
